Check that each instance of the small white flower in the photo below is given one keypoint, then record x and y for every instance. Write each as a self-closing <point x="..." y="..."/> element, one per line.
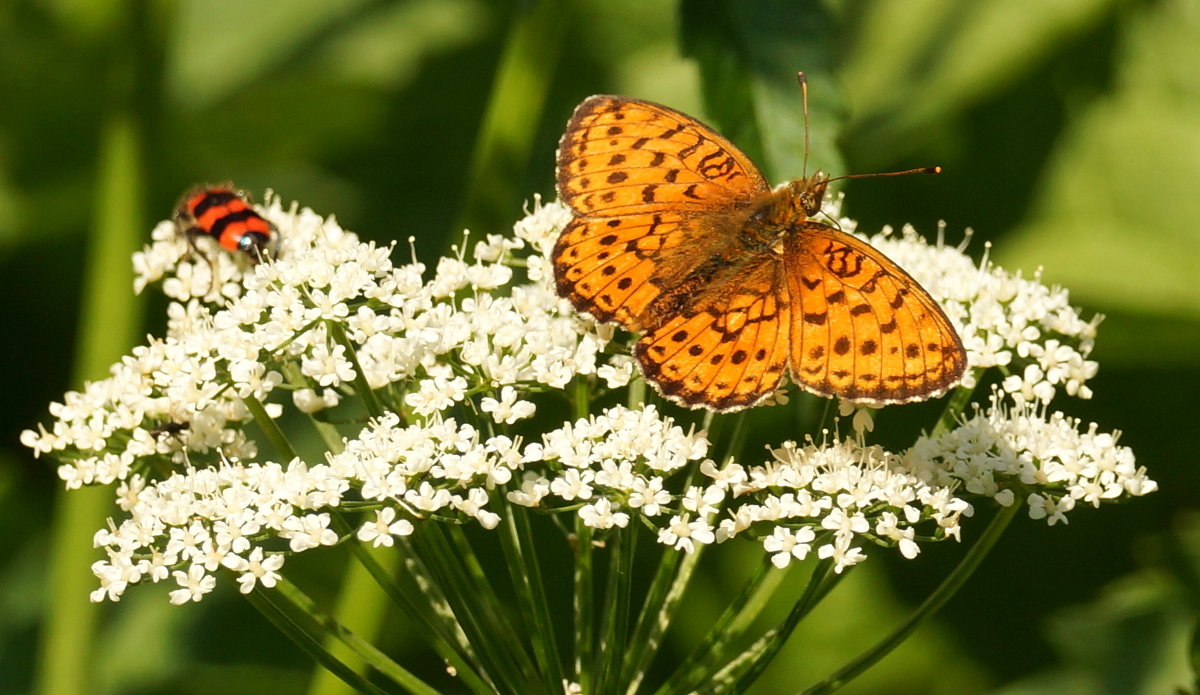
<point x="784" y="544"/>
<point x="600" y="515"/>
<point x="194" y="583"/>
<point x="307" y="532"/>
<point x="437" y="394"/>
<point x="255" y="569"/>
<point x="703" y="501"/>
<point x="843" y="525"/>
<point x="888" y="527"/>
<point x="533" y="488"/>
<point x="508" y="409"/>
<point x="842" y="554"/>
<point x="379" y="532"/>
<point x="683" y="534"/>
<point x="309" y="401"/>
<point x="328" y="367"/>
<point x="1048" y="508"/>
<point x="648" y="495"/>
<point x="427" y="498"/>
<point x="113" y="581"/>
<point x="573" y="484"/>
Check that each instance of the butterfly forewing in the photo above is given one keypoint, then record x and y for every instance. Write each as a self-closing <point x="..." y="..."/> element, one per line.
<point x="637" y="176"/>
<point x="622" y="156"/>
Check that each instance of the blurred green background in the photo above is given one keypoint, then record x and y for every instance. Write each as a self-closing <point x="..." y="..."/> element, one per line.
<point x="1069" y="131"/>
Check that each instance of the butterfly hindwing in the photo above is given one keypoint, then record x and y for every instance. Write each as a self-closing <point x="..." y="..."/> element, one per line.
<point x="729" y="351"/>
<point x="607" y="267"/>
<point x="865" y="330"/>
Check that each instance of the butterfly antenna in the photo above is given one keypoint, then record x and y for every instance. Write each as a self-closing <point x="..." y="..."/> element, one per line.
<point x="921" y="170"/>
<point x="804" y="101"/>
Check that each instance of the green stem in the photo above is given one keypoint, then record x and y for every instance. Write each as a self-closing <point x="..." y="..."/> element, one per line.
<point x="265" y="601"/>
<point x="585" y="605"/>
<point x="581" y="400"/>
<point x="666" y="590"/>
<point x="731" y="626"/>
<point x="526" y="575"/>
<point x="636" y="394"/>
<point x="614" y="626"/>
<point x="270" y="428"/>
<point x="364" y="390"/>
<point x="475" y="606"/>
<point x="424" y="605"/>
<point x="670" y="605"/>
<point x="360" y="607"/>
<point x="949" y="586"/>
<point x="957" y="402"/>
<point x="749" y="665"/>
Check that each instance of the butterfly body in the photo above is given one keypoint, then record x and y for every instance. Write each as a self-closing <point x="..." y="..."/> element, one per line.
<point x="733" y="283"/>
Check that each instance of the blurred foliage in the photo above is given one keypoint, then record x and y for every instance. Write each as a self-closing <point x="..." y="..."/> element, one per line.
<point x="1070" y="136"/>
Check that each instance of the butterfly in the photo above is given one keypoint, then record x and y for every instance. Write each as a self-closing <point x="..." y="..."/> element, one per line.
<point x="733" y="284"/>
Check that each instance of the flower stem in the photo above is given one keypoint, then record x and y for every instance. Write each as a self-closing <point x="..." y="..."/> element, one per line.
<point x="954" y="408"/>
<point x="749" y="665"/>
<point x="270" y="428"/>
<point x="521" y="559"/>
<point x="477" y="608"/>
<point x="360" y="607"/>
<point x="614" y="628"/>
<point x="425" y="606"/>
<point x="580" y="400"/>
<point x="585" y="605"/>
<point x="949" y="586"/>
<point x="636" y="393"/>
<point x="364" y="390"/>
<point x="730" y="626"/>
<point x="666" y="590"/>
<point x="263" y="601"/>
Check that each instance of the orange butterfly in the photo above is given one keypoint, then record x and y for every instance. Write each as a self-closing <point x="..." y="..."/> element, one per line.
<point x="677" y="234"/>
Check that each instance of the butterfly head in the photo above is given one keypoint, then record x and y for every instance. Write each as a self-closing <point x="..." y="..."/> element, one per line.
<point x="808" y="192"/>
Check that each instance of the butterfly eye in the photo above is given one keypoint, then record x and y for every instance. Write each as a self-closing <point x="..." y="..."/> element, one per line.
<point x="811" y="192"/>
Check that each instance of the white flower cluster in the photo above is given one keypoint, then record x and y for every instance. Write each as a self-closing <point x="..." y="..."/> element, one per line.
<point x="439" y="468"/>
<point x="450" y="363"/>
<point x="239" y="515"/>
<point x="609" y="465"/>
<point x="832" y="498"/>
<point x="828" y="498"/>
<point x="1008" y="450"/>
<point x="428" y="343"/>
